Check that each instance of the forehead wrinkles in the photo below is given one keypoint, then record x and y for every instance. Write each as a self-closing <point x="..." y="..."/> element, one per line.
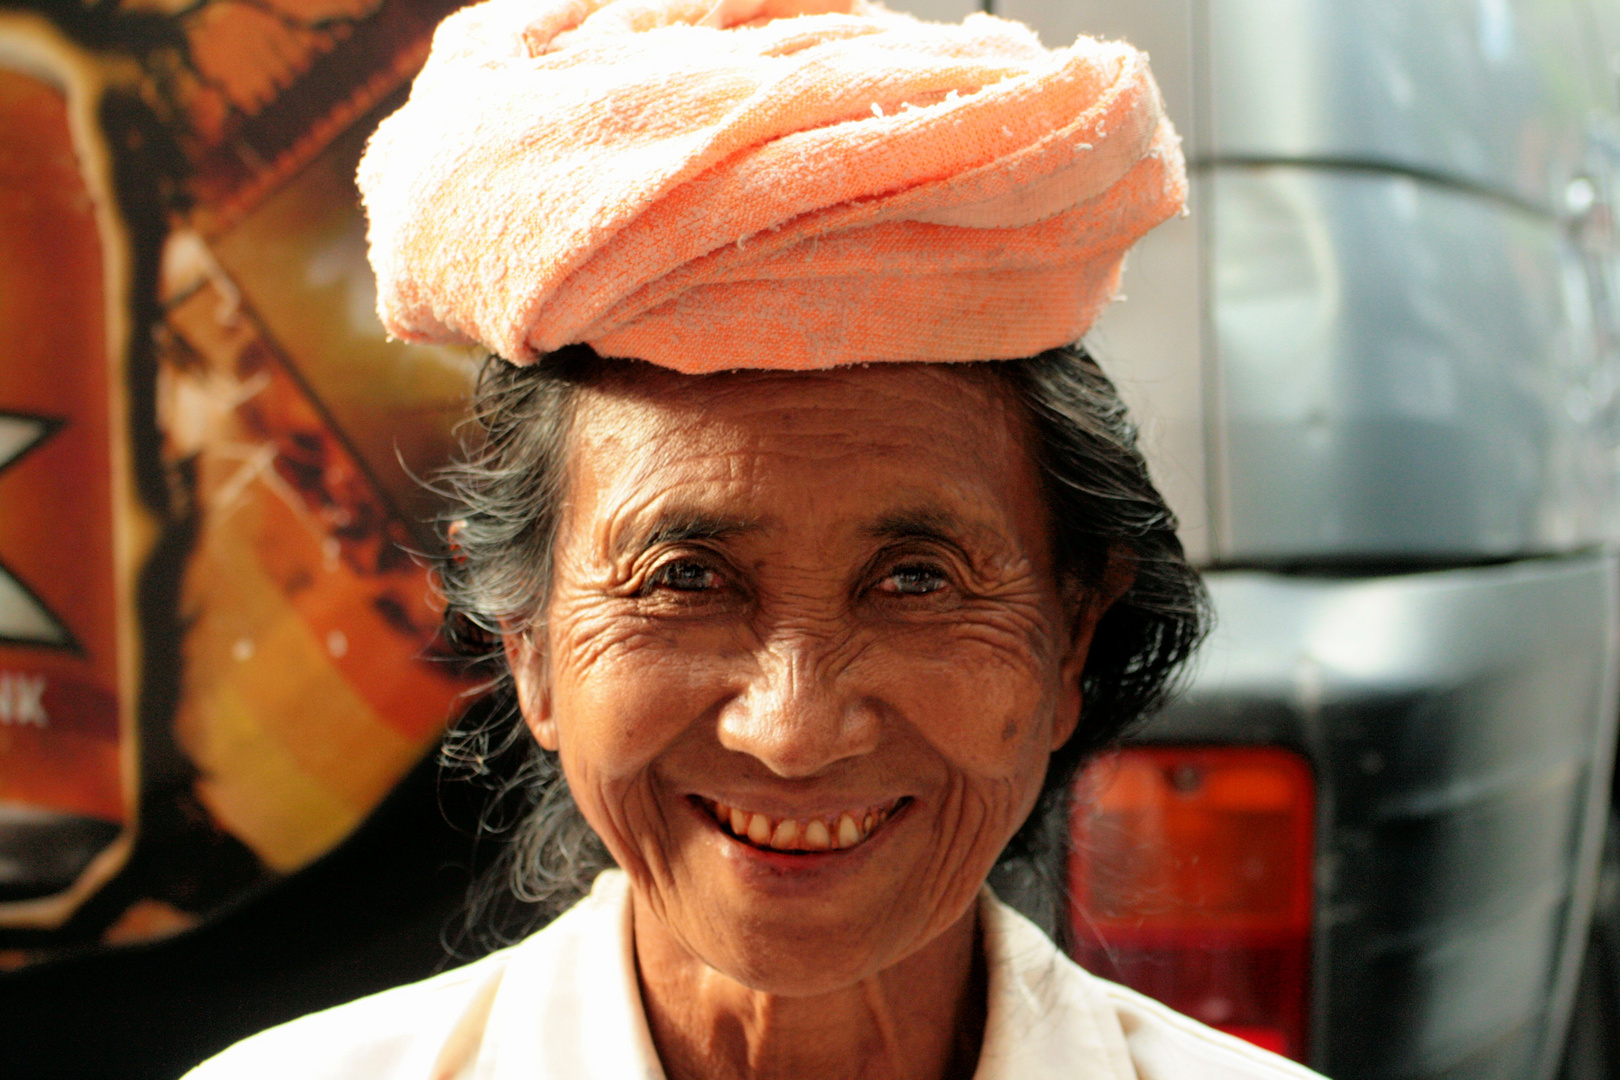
<point x="819" y="417"/>
<point x="681" y="441"/>
<point x="819" y="402"/>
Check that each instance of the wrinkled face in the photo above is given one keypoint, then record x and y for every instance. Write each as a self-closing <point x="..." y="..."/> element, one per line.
<point x="805" y="657"/>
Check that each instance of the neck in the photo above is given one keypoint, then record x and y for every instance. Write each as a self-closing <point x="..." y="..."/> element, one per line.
<point x="920" y="1019"/>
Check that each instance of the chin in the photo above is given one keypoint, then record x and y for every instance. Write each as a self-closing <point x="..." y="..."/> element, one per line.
<point x="772" y="961"/>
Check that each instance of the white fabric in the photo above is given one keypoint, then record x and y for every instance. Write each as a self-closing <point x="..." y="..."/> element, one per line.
<point x="565" y="1005"/>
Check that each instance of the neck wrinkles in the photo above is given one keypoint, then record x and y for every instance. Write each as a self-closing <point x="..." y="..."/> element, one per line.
<point x="920" y="1019"/>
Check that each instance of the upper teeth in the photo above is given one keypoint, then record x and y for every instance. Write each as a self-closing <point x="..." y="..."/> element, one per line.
<point x="790" y="834"/>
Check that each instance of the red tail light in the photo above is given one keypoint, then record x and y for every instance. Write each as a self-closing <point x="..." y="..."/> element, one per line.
<point x="1190" y="881"/>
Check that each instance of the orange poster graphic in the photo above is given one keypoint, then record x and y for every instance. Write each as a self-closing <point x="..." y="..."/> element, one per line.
<point x="69" y="532"/>
<point x="217" y="649"/>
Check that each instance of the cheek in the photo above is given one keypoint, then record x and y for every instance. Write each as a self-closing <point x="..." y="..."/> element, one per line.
<point x="622" y="693"/>
<point x="983" y="693"/>
<point x="622" y="688"/>
<point x="982" y="700"/>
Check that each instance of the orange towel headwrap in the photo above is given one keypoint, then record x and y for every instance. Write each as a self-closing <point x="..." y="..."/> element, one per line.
<point x="712" y="186"/>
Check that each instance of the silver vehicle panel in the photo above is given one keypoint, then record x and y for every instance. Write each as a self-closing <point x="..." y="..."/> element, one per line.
<point x="1462" y="723"/>
<point x="1406" y="370"/>
<point x="1492" y="93"/>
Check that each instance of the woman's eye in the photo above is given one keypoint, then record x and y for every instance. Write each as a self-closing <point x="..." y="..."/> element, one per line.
<point x="686" y="577"/>
<point x="913" y="581"/>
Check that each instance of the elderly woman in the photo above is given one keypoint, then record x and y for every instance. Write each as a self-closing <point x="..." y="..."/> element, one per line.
<point x="817" y="556"/>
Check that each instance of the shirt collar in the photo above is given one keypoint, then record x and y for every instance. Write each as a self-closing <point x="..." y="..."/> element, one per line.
<point x="569" y="1006"/>
<point x="1047" y="1018"/>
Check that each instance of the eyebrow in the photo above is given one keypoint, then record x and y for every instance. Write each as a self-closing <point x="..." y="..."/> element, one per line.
<point x="677" y="527"/>
<point x="918" y="525"/>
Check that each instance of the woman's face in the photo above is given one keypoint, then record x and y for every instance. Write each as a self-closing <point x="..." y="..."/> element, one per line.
<point x="805" y="656"/>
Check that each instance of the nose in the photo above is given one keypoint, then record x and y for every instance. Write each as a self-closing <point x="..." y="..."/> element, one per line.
<point x="797" y="715"/>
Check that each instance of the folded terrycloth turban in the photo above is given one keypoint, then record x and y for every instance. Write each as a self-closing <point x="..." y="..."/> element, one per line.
<point x="761" y="183"/>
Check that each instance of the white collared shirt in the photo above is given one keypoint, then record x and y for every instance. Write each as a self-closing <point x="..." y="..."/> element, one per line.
<point x="565" y="1005"/>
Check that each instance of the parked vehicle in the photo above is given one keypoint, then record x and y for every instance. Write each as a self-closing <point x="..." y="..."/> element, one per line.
<point x="1377" y="370"/>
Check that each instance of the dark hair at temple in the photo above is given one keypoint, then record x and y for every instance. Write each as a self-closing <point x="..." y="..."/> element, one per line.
<point x="506" y="487"/>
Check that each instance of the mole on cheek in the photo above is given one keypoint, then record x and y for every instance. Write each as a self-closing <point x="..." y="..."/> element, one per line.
<point x="1009" y="730"/>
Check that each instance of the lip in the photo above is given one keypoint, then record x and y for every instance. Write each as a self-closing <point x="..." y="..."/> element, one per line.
<point x="775" y="806"/>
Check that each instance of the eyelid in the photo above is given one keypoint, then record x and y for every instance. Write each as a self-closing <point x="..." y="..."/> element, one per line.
<point x="709" y="560"/>
<point x="914" y="562"/>
<point x="917" y="550"/>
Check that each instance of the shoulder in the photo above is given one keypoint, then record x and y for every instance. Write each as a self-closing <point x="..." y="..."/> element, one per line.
<point x="1165" y="1045"/>
<point x="1047" y="1013"/>
<point x="440" y="1026"/>
<point x="394" y="1034"/>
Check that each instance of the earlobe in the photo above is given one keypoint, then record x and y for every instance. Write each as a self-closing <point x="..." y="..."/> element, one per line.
<point x="527" y="664"/>
<point x="1116" y="580"/>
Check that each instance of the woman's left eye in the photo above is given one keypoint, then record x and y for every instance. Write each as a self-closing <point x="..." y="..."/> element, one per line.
<point x="686" y="577"/>
<point x="913" y="581"/>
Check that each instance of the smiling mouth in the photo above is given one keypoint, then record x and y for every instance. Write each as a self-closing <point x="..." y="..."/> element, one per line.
<point x="835" y="832"/>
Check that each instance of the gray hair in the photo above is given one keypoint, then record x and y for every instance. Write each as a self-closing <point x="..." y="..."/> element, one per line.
<point x="506" y="487"/>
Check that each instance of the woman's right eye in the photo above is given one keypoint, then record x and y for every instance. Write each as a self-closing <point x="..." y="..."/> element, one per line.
<point x="686" y="576"/>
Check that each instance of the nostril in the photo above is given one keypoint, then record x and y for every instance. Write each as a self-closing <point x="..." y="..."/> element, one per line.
<point x="800" y="734"/>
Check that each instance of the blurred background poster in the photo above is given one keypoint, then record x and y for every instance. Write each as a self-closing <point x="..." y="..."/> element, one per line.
<point x="216" y="648"/>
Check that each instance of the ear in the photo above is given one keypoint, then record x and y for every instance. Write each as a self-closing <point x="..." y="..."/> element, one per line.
<point x="1117" y="577"/>
<point x="527" y="661"/>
